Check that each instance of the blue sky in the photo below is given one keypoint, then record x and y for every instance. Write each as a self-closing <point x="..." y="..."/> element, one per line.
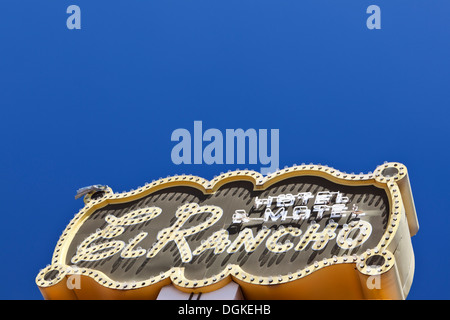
<point x="98" y="105"/>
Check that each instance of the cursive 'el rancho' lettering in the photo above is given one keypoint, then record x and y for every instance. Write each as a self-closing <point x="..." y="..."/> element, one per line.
<point x="104" y="243"/>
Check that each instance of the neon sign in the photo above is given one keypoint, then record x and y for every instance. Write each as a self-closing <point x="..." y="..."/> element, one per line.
<point x="241" y="226"/>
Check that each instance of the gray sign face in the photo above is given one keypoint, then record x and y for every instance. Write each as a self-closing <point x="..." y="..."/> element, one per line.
<point x="274" y="232"/>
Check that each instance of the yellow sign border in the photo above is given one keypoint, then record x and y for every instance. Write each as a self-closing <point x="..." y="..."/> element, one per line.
<point x="392" y="177"/>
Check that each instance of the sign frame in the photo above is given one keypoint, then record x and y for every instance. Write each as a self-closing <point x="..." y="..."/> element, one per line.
<point x="343" y="277"/>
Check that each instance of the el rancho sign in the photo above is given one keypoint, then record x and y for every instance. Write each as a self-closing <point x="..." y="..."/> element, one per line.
<point x="276" y="236"/>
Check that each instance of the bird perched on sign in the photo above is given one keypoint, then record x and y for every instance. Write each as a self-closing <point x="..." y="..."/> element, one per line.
<point x="89" y="189"/>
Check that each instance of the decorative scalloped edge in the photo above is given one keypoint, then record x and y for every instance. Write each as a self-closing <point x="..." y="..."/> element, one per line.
<point x="176" y="274"/>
